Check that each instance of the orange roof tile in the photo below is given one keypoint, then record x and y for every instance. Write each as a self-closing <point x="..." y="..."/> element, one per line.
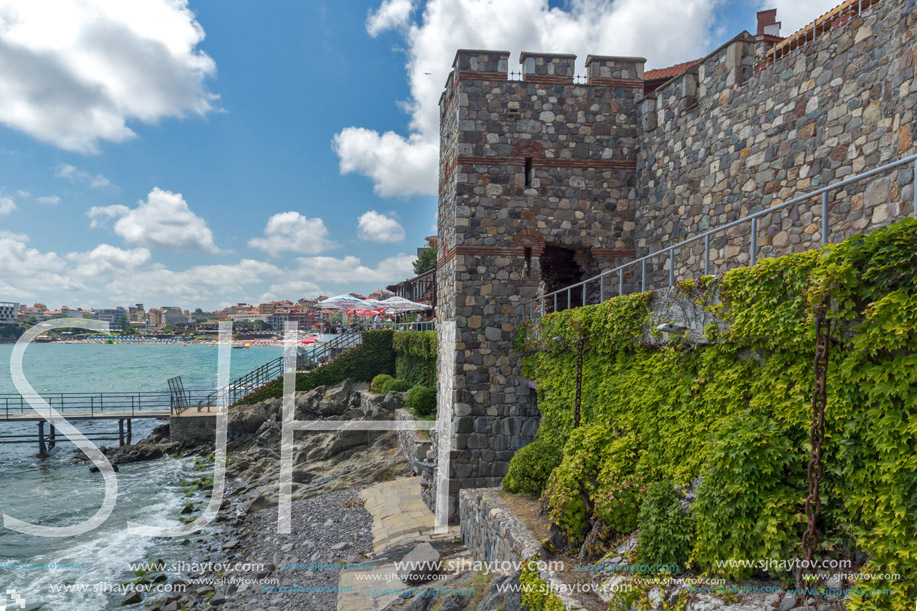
<point x="670" y="72"/>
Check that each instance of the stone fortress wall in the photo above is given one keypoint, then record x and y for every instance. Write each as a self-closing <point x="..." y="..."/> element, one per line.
<point x="725" y="140"/>
<point x="544" y="182"/>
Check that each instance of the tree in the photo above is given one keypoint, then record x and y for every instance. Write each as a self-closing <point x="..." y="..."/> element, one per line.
<point x="125" y="325"/>
<point x="426" y="261"/>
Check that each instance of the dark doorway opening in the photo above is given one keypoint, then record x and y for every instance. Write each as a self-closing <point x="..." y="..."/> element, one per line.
<point x="559" y="270"/>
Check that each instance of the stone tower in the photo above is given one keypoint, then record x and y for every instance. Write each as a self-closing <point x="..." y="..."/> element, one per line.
<point x="536" y="191"/>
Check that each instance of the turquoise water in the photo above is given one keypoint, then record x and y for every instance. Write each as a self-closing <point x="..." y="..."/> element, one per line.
<point x="54" y="492"/>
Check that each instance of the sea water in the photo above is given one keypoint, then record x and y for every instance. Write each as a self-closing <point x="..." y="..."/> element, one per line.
<point x="53" y="492"/>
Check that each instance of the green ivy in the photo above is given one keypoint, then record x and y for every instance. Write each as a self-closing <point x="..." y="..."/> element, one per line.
<point x="415" y="359"/>
<point x="666" y="534"/>
<point x="738" y="412"/>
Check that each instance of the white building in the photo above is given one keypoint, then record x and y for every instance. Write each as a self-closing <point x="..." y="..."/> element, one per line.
<point x="8" y="312"/>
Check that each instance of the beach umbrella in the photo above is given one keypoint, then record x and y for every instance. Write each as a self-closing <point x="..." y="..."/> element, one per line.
<point x="399" y="305"/>
<point x="346" y="302"/>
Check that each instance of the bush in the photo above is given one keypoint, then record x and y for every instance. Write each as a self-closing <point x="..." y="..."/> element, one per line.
<point x="531" y="467"/>
<point x="422" y="400"/>
<point x="378" y="381"/>
<point x="395" y="385"/>
<point x="666" y="530"/>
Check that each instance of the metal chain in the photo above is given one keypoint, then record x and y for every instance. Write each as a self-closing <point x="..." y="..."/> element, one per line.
<point x="816" y="439"/>
<point x="579" y="382"/>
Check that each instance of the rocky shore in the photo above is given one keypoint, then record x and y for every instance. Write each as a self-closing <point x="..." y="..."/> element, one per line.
<point x="245" y="563"/>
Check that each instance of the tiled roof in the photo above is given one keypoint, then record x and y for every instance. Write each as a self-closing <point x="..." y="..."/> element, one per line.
<point x="670" y="72"/>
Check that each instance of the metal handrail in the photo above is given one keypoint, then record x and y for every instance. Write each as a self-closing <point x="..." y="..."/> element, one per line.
<point x="270" y="371"/>
<point x="137" y="404"/>
<point x="753" y="246"/>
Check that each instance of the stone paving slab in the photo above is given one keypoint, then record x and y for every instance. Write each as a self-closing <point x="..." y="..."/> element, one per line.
<point x="355" y="591"/>
<point x="399" y="514"/>
<point x="400" y="517"/>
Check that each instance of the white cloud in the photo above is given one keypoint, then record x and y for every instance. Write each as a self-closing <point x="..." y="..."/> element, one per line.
<point x="164" y="221"/>
<point x="26" y="271"/>
<point x="376" y="227"/>
<point x="48" y="200"/>
<point x="390" y="15"/>
<point x="105" y="260"/>
<point x="7" y="205"/>
<point x="793" y="14"/>
<point x="348" y="270"/>
<point x="401" y="165"/>
<point x="292" y="290"/>
<point x="77" y="74"/>
<point x="292" y="232"/>
<point x="78" y="176"/>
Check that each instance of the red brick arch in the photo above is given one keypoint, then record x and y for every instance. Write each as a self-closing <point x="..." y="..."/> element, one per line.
<point x="528" y="148"/>
<point x="529" y="238"/>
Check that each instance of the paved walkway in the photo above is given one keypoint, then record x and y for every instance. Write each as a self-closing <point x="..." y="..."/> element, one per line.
<point x="400" y="518"/>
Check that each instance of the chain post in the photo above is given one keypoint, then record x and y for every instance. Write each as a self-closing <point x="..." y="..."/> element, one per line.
<point x="579" y="382"/>
<point x="816" y="440"/>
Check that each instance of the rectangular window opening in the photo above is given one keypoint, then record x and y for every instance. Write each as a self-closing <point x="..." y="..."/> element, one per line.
<point x="528" y="171"/>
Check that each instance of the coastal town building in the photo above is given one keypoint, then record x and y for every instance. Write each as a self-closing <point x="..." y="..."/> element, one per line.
<point x="551" y="179"/>
<point x="154" y="318"/>
<point x="9" y="313"/>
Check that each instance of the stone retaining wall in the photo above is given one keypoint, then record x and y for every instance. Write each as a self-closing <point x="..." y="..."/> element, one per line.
<point x="493" y="533"/>
<point x="413" y="445"/>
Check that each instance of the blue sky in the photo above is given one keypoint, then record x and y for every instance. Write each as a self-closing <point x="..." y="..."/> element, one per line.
<point x="279" y="150"/>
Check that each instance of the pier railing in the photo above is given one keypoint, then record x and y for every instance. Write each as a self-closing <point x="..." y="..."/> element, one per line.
<point x="611" y="283"/>
<point x="98" y="404"/>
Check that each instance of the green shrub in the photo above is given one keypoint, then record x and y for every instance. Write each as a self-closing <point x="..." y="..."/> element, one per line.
<point x="422" y="400"/>
<point x="666" y="530"/>
<point x="531" y="467"/>
<point x="395" y="385"/>
<point x="378" y="381"/>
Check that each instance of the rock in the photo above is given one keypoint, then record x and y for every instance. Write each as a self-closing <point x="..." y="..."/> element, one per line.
<point x="95" y="469"/>
<point x="340" y="546"/>
<point x="788" y="603"/>
<point x="231" y="544"/>
<point x="394" y="400"/>
<point x="204" y="590"/>
<point x="301" y="476"/>
<point x="420" y="565"/>
<point x="503" y="594"/>
<point x="835" y="582"/>
<point x="329" y="522"/>
<point x="172" y="606"/>
<point x="131" y="598"/>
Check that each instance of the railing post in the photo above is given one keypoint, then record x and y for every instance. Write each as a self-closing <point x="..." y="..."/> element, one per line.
<point x="915" y="187"/>
<point x="824" y="218"/>
<point x="754" y="239"/>
<point x="602" y="288"/>
<point x="707" y="255"/>
<point x="672" y="266"/>
<point x="584" y="293"/>
<point x="620" y="281"/>
<point x="643" y="275"/>
<point x="568" y="298"/>
<point x="555" y="302"/>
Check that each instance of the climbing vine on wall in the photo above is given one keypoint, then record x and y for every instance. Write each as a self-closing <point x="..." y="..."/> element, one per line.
<point x="415" y="357"/>
<point x="737" y="412"/>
